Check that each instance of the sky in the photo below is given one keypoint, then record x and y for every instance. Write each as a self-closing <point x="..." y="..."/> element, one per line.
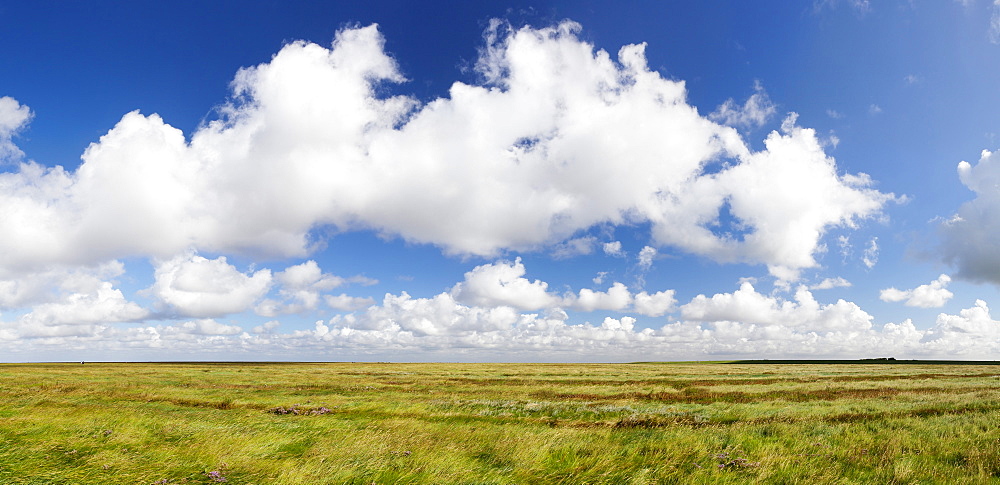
<point x="514" y="181"/>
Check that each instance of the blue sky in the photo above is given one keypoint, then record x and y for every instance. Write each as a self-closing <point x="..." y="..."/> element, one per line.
<point x="485" y="181"/>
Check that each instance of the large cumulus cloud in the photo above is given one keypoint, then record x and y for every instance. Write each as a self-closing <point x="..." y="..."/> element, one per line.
<point x="193" y="286"/>
<point x="560" y="137"/>
<point x="557" y="138"/>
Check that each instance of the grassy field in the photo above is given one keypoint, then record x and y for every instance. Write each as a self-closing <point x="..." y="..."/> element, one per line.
<point x="499" y="423"/>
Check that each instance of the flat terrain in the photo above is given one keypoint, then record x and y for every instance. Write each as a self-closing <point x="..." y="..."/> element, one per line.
<point x="186" y="423"/>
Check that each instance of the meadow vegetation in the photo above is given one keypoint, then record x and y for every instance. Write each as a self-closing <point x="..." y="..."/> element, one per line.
<point x="304" y="423"/>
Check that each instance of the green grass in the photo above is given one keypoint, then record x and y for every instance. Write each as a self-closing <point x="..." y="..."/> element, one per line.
<point x="499" y="423"/>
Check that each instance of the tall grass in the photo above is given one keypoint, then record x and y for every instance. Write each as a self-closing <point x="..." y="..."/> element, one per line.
<point x="507" y="423"/>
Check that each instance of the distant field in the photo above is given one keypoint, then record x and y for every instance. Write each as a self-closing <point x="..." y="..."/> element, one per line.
<point x="499" y="423"/>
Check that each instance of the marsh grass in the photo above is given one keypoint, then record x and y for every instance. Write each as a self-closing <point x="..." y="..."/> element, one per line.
<point x="201" y="423"/>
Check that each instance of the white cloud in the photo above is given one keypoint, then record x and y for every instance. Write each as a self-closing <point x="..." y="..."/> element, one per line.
<point x="756" y="111"/>
<point x="969" y="236"/>
<point x="204" y="326"/>
<point x="830" y="283"/>
<point x="361" y="280"/>
<point x="310" y="123"/>
<point x="426" y="324"/>
<point x="307" y="275"/>
<point x="267" y="327"/>
<point x="861" y="6"/>
<point x="846" y="249"/>
<point x="599" y="279"/>
<point x="804" y="195"/>
<point x="742" y="324"/>
<point x="614" y="248"/>
<point x="574" y="247"/>
<point x="626" y="324"/>
<point x="79" y="304"/>
<point x="105" y="305"/>
<point x="833" y="140"/>
<point x="301" y="287"/>
<point x="531" y="137"/>
<point x="931" y="295"/>
<point x="654" y="305"/>
<point x="747" y="306"/>
<point x="429" y="324"/>
<point x="972" y="332"/>
<point x="142" y="190"/>
<point x="193" y="286"/>
<point x="834" y="114"/>
<point x="53" y="284"/>
<point x="437" y="316"/>
<point x="13" y="117"/>
<point x="503" y="284"/>
<point x="646" y="256"/>
<point x="348" y="303"/>
<point x="870" y="258"/>
<point x="874" y="109"/>
<point x="617" y="298"/>
<point x="772" y="327"/>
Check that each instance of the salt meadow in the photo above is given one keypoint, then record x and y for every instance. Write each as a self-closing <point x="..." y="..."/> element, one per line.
<point x="307" y="423"/>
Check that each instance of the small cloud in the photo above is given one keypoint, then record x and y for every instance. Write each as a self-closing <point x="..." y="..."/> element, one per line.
<point x="348" y="303"/>
<point x="846" y="249"/>
<point x="307" y="275"/>
<point x="13" y="118"/>
<point x="362" y="280"/>
<point x="871" y="254"/>
<point x="599" y="279"/>
<point x="267" y="327"/>
<point x="830" y="283"/>
<point x="617" y="298"/>
<point x="656" y="304"/>
<point x="614" y="248"/>
<point x="833" y="140"/>
<point x="503" y="284"/>
<point x="862" y="7"/>
<point x="574" y="247"/>
<point x="931" y="295"/>
<point x="646" y="256"/>
<point x="834" y="114"/>
<point x="911" y="79"/>
<point x="756" y="111"/>
<point x="302" y="287"/>
<point x="203" y="326"/>
<point x="874" y="109"/>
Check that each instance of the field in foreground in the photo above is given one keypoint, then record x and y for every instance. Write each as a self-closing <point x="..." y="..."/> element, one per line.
<point x="499" y="423"/>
